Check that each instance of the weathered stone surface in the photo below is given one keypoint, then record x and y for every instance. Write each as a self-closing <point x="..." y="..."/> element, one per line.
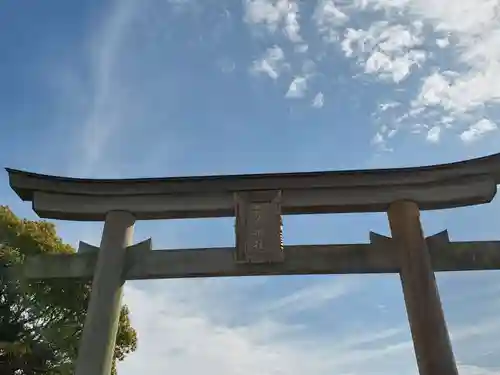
<point x="432" y="187"/>
<point x="97" y="344"/>
<point x="259" y="227"/>
<point x="423" y="305"/>
<point x="377" y="257"/>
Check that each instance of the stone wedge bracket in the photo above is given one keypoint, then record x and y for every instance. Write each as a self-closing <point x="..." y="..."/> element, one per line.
<point x="463" y="255"/>
<point x="84" y="248"/>
<point x="435" y="243"/>
<point x="436" y="240"/>
<point x="137" y="253"/>
<point x="379" y="240"/>
<point x="134" y="252"/>
<point x="448" y="256"/>
<point x="145" y="245"/>
<point x="259" y="227"/>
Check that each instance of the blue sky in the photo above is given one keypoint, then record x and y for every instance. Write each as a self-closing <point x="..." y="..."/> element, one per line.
<point x="166" y="88"/>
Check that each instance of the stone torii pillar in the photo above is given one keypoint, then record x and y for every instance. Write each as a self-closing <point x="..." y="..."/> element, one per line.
<point x="97" y="345"/>
<point x="425" y="314"/>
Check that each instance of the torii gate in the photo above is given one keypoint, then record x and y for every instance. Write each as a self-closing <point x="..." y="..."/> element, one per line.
<point x="257" y="202"/>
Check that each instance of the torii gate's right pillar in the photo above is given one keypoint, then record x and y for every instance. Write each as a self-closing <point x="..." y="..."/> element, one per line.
<point x="427" y="323"/>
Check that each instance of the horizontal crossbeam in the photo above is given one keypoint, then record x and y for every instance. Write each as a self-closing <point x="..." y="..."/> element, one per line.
<point x="432" y="187"/>
<point x="455" y="193"/>
<point x="377" y="257"/>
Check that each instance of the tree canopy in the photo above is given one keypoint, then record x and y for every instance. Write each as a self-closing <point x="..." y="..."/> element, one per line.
<point x="41" y="321"/>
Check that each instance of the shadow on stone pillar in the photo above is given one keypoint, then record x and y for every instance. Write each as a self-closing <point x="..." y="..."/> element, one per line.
<point x="95" y="355"/>
<point x="425" y="314"/>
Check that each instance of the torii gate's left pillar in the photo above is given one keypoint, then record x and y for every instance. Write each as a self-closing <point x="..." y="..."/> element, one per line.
<point x="95" y="355"/>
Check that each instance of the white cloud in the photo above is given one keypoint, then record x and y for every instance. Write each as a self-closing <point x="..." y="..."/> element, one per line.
<point x="319" y="100"/>
<point x="314" y="296"/>
<point x="386" y="50"/>
<point x="301" y="48"/>
<point x="177" y="336"/>
<point x="180" y="339"/>
<point x="272" y="63"/>
<point x="433" y="134"/>
<point x="385" y="106"/>
<point x="443" y="42"/>
<point x="433" y="90"/>
<point x="292" y="27"/>
<point x="479" y="328"/>
<point x="328" y="18"/>
<point x="390" y="49"/>
<point x="474" y="26"/>
<point x="402" y="37"/>
<point x="474" y="370"/>
<point x="275" y="15"/>
<point x="391" y="133"/>
<point x="179" y="333"/>
<point x="395" y="68"/>
<point x="309" y="67"/>
<point x="378" y="139"/>
<point x="352" y="36"/>
<point x="395" y="38"/>
<point x="297" y="88"/>
<point x="478" y="130"/>
<point x="106" y="109"/>
<point x="458" y="94"/>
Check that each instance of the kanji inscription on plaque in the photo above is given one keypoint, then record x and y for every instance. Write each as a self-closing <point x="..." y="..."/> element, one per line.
<point x="259" y="227"/>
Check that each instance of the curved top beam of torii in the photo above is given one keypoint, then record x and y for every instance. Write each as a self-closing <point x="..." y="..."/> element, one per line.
<point x="432" y="187"/>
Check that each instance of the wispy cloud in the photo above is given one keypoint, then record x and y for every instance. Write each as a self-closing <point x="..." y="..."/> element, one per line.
<point x="313" y="296"/>
<point x="475" y="25"/>
<point x="177" y="337"/>
<point x="328" y="18"/>
<point x="297" y="88"/>
<point x="388" y="50"/>
<point x="443" y="42"/>
<point x="319" y="100"/>
<point x="178" y="332"/>
<point x="452" y="61"/>
<point x="276" y="15"/>
<point x="272" y="63"/>
<point x="480" y="328"/>
<point x="457" y="88"/>
<point x="106" y="112"/>
<point x="121" y="92"/>
<point x="478" y="130"/>
<point x="474" y="370"/>
<point x="385" y="106"/>
<point x="433" y="134"/>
